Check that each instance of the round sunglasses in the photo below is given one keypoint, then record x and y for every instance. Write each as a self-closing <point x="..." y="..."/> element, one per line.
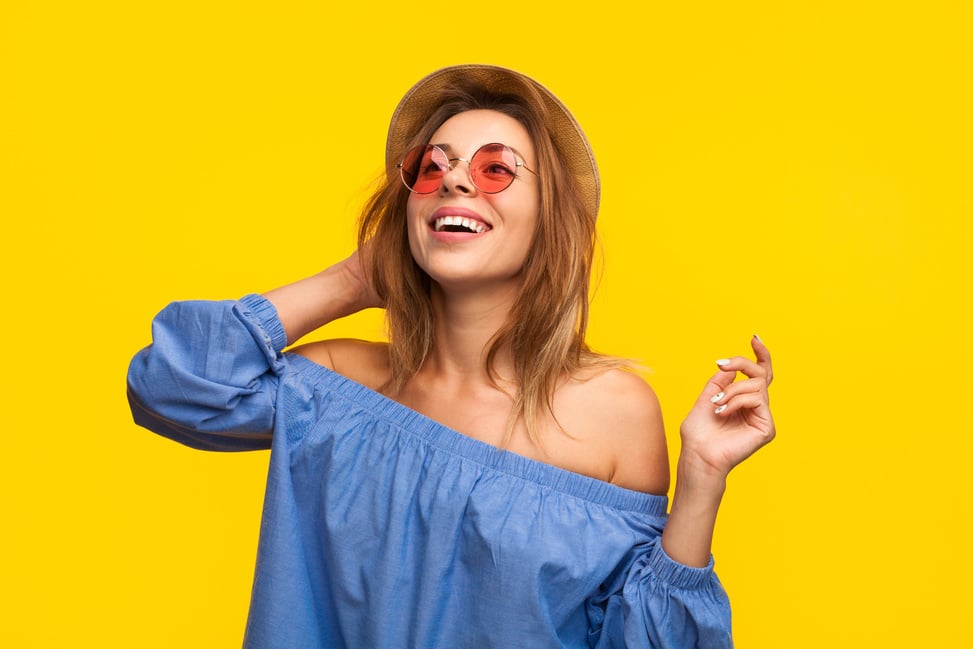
<point x="493" y="168"/>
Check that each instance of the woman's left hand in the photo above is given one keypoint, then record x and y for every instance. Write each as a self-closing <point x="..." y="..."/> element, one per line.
<point x="731" y="419"/>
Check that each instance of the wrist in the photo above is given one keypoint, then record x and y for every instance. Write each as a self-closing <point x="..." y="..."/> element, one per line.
<point x="698" y="493"/>
<point x="695" y="471"/>
<point x="355" y="291"/>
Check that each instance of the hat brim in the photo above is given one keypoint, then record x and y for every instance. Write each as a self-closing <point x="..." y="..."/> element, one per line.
<point x="423" y="98"/>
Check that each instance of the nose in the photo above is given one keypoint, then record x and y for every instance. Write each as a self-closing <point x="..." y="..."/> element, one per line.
<point x="457" y="179"/>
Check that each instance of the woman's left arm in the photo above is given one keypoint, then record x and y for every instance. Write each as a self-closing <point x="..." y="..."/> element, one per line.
<point x="729" y="422"/>
<point x="669" y="597"/>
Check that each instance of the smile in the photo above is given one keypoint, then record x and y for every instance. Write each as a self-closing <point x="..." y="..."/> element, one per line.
<point x="458" y="224"/>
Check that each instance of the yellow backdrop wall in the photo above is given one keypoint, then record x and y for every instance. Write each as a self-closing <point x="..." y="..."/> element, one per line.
<point x="797" y="170"/>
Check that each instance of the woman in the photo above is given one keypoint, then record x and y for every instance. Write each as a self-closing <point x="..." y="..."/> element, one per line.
<point x="483" y="480"/>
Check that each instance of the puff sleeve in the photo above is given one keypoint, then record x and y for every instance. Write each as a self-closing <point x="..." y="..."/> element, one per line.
<point x="656" y="603"/>
<point x="209" y="379"/>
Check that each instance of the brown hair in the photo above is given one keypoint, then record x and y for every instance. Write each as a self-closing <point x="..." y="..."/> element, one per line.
<point x="545" y="330"/>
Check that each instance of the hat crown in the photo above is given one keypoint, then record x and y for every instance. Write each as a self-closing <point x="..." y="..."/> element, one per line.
<point x="418" y="104"/>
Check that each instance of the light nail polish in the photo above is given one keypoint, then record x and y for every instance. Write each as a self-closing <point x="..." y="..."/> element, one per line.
<point x="721" y="409"/>
<point x="717" y="397"/>
<point x="723" y="361"/>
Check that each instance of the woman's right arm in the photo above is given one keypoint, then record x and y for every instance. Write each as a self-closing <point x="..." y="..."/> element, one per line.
<point x="334" y="293"/>
<point x="209" y="379"/>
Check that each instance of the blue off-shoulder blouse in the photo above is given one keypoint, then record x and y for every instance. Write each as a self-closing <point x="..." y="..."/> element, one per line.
<point x="385" y="529"/>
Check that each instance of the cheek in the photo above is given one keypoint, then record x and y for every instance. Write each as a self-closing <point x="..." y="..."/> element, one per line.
<point x="412" y="222"/>
<point x="529" y="217"/>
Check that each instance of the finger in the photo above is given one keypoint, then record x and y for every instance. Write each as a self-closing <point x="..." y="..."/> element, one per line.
<point x="750" y="401"/>
<point x="737" y="388"/>
<point x="718" y="383"/>
<point x="763" y="356"/>
<point x="740" y="364"/>
<point x="743" y="365"/>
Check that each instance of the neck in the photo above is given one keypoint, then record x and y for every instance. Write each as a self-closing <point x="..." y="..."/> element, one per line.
<point x="466" y="323"/>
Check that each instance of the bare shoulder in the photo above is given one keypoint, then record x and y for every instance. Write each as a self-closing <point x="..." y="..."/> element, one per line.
<point x="620" y="410"/>
<point x="360" y="360"/>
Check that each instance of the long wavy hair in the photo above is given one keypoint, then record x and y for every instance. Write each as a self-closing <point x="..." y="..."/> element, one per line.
<point x="545" y="330"/>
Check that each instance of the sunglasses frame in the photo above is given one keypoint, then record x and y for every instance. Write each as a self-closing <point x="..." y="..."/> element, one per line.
<point x="518" y="163"/>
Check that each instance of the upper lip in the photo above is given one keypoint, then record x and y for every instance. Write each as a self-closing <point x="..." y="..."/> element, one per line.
<point x="457" y="211"/>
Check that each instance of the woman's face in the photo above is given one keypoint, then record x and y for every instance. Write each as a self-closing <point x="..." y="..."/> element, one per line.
<point x="488" y="236"/>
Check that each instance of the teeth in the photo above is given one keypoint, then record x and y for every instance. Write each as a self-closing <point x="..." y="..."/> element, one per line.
<point x="461" y="221"/>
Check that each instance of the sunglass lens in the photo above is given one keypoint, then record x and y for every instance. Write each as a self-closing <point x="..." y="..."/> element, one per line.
<point x="423" y="169"/>
<point x="493" y="168"/>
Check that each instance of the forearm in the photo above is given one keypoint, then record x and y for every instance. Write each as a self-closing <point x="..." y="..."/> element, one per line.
<point x="313" y="302"/>
<point x="688" y="535"/>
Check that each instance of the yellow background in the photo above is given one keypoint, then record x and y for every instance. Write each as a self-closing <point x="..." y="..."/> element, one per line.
<point x="797" y="170"/>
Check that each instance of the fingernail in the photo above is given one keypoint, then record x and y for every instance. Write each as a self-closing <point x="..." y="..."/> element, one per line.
<point x="758" y="339"/>
<point x="721" y="409"/>
<point x="723" y="361"/>
<point x="717" y="397"/>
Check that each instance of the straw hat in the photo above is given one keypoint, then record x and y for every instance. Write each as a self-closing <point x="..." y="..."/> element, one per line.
<point x="423" y="98"/>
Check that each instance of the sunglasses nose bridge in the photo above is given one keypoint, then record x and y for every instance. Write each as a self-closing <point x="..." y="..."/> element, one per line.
<point x="452" y="165"/>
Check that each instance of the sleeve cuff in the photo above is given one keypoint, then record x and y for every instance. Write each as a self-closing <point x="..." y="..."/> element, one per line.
<point x="678" y="575"/>
<point x="259" y="310"/>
